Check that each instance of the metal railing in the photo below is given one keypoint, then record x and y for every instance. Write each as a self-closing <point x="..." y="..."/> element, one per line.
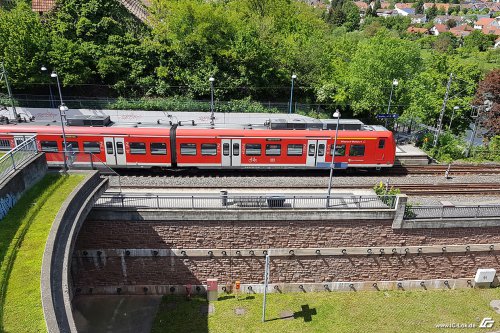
<point x="227" y="202"/>
<point x="17" y="156"/>
<point x="440" y="212"/>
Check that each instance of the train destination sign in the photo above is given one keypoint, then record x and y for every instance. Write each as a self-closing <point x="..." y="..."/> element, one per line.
<point x="387" y="115"/>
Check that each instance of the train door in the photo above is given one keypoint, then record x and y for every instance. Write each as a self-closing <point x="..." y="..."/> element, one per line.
<point x="380" y="155"/>
<point x="231" y="152"/>
<point x="115" y="151"/>
<point x="316" y="152"/>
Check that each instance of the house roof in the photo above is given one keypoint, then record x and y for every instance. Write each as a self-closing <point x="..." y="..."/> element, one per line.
<point x="42" y="6"/>
<point x="440" y="27"/>
<point x="401" y="5"/>
<point x="415" y="30"/>
<point x="361" y="4"/>
<point x="385" y="4"/>
<point x="491" y="31"/>
<point x="485" y="21"/>
<point x="444" y="6"/>
<point x="463" y="27"/>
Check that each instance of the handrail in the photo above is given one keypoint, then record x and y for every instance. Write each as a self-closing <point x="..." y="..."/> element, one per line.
<point x="16" y="156"/>
<point x="245" y="201"/>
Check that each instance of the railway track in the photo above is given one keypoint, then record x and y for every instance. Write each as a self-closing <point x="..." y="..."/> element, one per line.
<point x="409" y="189"/>
<point x="435" y="169"/>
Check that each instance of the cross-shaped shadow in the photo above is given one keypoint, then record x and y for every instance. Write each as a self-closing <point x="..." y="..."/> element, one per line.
<point x="306" y="313"/>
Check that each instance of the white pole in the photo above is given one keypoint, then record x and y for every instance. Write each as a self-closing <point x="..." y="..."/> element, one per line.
<point x="266" y="280"/>
<point x="336" y="114"/>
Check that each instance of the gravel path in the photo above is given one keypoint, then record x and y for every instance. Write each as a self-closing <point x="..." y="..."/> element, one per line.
<point x="262" y="182"/>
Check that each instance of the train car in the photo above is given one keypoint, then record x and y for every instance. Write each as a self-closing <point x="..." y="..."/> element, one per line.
<point x="213" y="148"/>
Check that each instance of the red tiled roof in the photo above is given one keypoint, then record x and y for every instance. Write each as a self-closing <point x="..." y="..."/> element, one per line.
<point x="441" y="27"/>
<point x="361" y="4"/>
<point x="415" y="30"/>
<point x="463" y="27"/>
<point x="491" y="31"/>
<point x="402" y="5"/>
<point x="484" y="21"/>
<point x="444" y="6"/>
<point x="42" y="6"/>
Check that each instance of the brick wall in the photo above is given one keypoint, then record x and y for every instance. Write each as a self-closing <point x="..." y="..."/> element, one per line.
<point x="131" y="270"/>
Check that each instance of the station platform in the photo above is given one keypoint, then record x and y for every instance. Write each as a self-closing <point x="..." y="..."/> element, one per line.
<point x="410" y="155"/>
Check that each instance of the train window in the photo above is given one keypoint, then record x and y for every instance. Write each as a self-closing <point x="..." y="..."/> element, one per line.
<point x="209" y="149"/>
<point x="357" y="150"/>
<point x="294" y="150"/>
<point x="225" y="149"/>
<point x="49" y="146"/>
<point x="188" y="149"/>
<point x="273" y="150"/>
<point x="109" y="148"/>
<point x="72" y="146"/>
<point x="381" y="143"/>
<point x="158" y="148"/>
<point x="321" y="149"/>
<point x="339" y="150"/>
<point x="119" y="148"/>
<point x="312" y="150"/>
<point x="91" y="147"/>
<point x="252" y="149"/>
<point x="137" y="148"/>
<point x="236" y="149"/>
<point x="4" y="144"/>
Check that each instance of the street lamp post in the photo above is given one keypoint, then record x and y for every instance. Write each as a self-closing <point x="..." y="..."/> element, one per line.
<point x="394" y="84"/>
<point x="455" y="108"/>
<point x="62" y="113"/>
<point x="212" y="116"/>
<point x="335" y="115"/>
<point x="291" y="93"/>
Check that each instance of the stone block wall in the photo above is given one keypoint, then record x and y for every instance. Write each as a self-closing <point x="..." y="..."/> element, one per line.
<point x="110" y="238"/>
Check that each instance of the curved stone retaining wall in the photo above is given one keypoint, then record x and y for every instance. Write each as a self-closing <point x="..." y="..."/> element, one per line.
<point x="56" y="287"/>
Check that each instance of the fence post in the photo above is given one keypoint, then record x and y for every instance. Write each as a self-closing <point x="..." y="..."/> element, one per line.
<point x="91" y="161"/>
<point x="293" y="202"/>
<point x="192" y="202"/>
<point x="158" y="201"/>
<point x="477" y="211"/>
<point x="359" y="202"/>
<point x="442" y="211"/>
<point x="121" y="197"/>
<point x="13" y="161"/>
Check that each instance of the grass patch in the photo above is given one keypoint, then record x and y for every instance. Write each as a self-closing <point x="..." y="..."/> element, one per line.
<point x="23" y="233"/>
<point x="339" y="312"/>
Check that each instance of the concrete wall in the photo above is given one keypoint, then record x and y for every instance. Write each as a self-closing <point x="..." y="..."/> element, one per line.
<point x="56" y="280"/>
<point x="13" y="186"/>
<point x="131" y="255"/>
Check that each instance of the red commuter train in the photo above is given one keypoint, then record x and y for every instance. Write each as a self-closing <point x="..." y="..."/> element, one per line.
<point x="214" y="148"/>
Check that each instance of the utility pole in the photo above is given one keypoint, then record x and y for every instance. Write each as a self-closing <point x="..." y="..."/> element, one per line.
<point x="3" y="74"/>
<point x="441" y="115"/>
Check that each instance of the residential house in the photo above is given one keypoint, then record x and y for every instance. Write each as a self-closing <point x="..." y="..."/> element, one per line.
<point x="497" y="43"/>
<point x="491" y="31"/>
<point x="442" y="19"/>
<point x="386" y="12"/>
<point x="486" y="23"/>
<point x="438" y="29"/>
<point x="405" y="11"/>
<point x="42" y="6"/>
<point x="415" y="30"/>
<point x="418" y="19"/>
<point x="442" y="6"/>
<point x="362" y="6"/>
<point x="462" y="30"/>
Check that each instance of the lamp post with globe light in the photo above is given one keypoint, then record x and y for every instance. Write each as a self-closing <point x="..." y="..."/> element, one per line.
<point x="212" y="116"/>
<point x="291" y="93"/>
<point x="62" y="113"/>
<point x="394" y="84"/>
<point x="335" y="115"/>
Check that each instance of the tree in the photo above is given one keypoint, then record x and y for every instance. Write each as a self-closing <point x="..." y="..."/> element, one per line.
<point x="24" y="43"/>
<point x="445" y="42"/>
<point x="431" y="12"/>
<point x="478" y="41"/>
<point x="376" y="63"/>
<point x="419" y="7"/>
<point x="451" y="23"/>
<point x="488" y="99"/>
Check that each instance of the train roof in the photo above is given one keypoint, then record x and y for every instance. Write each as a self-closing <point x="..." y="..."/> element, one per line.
<point x="185" y="131"/>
